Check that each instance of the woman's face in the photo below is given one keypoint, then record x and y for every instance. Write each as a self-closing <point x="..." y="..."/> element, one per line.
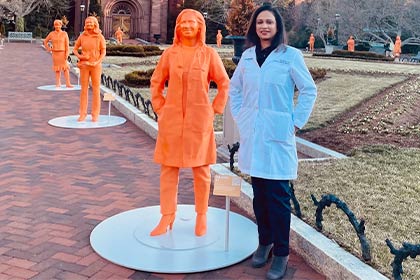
<point x="266" y="26"/>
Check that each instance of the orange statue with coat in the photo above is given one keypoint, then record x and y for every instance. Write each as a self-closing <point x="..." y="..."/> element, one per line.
<point x="119" y="35"/>
<point x="350" y="44"/>
<point x="59" y="49"/>
<point x="311" y="42"/>
<point x="93" y="46"/>
<point x="219" y="38"/>
<point x="397" y="47"/>
<point x="185" y="116"/>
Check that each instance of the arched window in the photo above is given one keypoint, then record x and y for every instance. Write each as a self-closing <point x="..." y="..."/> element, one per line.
<point x="121" y="9"/>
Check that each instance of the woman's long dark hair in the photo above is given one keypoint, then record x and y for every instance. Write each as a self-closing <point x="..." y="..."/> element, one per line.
<point x="278" y="39"/>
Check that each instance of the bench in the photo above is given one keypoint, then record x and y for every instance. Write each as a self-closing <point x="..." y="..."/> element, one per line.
<point x="19" y="36"/>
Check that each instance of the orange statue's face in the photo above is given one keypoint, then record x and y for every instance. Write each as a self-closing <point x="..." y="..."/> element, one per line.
<point x="57" y="25"/>
<point x="266" y="25"/>
<point x="189" y="26"/>
<point x="89" y="24"/>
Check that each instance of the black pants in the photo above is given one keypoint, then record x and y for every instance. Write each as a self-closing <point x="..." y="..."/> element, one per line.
<point x="273" y="213"/>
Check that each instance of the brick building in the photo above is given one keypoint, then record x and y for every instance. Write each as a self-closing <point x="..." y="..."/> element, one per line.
<point x="145" y="19"/>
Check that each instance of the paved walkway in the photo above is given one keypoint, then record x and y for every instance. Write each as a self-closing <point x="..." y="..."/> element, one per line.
<point x="57" y="184"/>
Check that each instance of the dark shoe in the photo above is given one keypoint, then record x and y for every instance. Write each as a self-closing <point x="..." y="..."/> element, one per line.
<point x="261" y="255"/>
<point x="278" y="267"/>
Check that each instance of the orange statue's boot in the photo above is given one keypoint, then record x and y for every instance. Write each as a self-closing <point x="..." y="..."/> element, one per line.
<point x="162" y="227"/>
<point x="201" y="224"/>
<point x="169" y="177"/>
<point x="202" y="180"/>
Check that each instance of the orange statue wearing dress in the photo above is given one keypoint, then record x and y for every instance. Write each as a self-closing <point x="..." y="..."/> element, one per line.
<point x="311" y="42"/>
<point x="350" y="44"/>
<point x="397" y="47"/>
<point x="219" y="38"/>
<point x="59" y="49"/>
<point x="92" y="43"/>
<point x="119" y="35"/>
<point x="185" y="116"/>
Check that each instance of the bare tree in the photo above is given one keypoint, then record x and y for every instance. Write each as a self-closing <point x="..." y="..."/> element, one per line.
<point x="21" y="8"/>
<point x="370" y="20"/>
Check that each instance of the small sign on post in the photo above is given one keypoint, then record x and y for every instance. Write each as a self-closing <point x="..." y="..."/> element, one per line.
<point x="109" y="96"/>
<point x="227" y="186"/>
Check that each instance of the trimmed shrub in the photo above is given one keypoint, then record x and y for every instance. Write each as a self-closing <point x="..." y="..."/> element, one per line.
<point x="138" y="78"/>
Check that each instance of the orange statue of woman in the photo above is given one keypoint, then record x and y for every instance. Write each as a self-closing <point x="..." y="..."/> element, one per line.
<point x="219" y="38"/>
<point x="92" y="43"/>
<point x="186" y="136"/>
<point x="397" y="47"/>
<point x="350" y="44"/>
<point x="119" y="35"/>
<point x="59" y="49"/>
<point x="311" y="42"/>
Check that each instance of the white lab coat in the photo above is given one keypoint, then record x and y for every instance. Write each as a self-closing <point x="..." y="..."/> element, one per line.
<point x="262" y="105"/>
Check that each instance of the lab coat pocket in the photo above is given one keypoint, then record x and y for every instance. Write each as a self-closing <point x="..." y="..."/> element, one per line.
<point x="278" y="126"/>
<point x="202" y="118"/>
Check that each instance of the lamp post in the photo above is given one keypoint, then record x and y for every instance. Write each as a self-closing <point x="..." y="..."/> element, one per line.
<point x="82" y="9"/>
<point x="337" y="17"/>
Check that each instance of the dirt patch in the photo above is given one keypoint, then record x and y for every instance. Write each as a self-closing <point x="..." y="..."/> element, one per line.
<point x="390" y="117"/>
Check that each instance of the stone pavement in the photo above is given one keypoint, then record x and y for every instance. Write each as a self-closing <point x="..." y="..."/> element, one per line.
<point x="57" y="184"/>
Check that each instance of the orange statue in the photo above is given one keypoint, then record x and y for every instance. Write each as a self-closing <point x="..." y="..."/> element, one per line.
<point x="119" y="35"/>
<point x="92" y="43"/>
<point x="219" y="38"/>
<point x="311" y="42"/>
<point x="397" y="47"/>
<point x="350" y="44"/>
<point x="59" y="49"/>
<point x="186" y="137"/>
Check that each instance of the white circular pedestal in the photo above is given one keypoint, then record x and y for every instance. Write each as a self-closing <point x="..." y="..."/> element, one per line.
<point x="62" y="88"/>
<point x="124" y="239"/>
<point x="71" y="121"/>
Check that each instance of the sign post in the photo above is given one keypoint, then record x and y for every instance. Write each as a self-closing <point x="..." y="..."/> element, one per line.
<point x="228" y="186"/>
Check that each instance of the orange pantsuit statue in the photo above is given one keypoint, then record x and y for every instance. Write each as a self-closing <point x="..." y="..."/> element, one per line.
<point x="397" y="47"/>
<point x="219" y="38"/>
<point x="185" y="116"/>
<point x="311" y="42"/>
<point x="350" y="44"/>
<point x="119" y="35"/>
<point x="59" y="49"/>
<point x="92" y="43"/>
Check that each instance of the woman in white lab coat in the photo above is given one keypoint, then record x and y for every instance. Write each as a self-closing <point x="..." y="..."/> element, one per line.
<point x="262" y="104"/>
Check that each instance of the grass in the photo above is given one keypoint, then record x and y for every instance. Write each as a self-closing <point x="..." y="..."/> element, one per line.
<point x="380" y="184"/>
<point x="340" y="91"/>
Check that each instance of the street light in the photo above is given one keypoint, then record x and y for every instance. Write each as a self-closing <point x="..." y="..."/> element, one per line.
<point x="82" y="9"/>
<point x="337" y="17"/>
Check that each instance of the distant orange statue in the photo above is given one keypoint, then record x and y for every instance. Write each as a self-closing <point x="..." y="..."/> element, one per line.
<point x="59" y="49"/>
<point x="93" y="46"/>
<point x="219" y="38"/>
<point x="185" y="116"/>
<point x="397" y="47"/>
<point x="311" y="42"/>
<point x="350" y="44"/>
<point x="119" y="35"/>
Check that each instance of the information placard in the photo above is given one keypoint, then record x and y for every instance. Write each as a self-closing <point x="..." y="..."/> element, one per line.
<point x="227" y="185"/>
<point x="109" y="96"/>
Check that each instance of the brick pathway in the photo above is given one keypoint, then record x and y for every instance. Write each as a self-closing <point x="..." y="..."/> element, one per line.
<point x="57" y="184"/>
